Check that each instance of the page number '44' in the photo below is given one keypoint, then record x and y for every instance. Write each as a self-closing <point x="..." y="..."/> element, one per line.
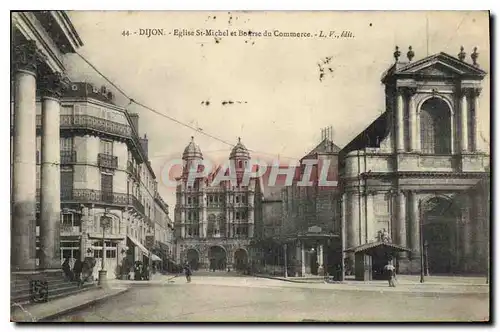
<point x="125" y="33"/>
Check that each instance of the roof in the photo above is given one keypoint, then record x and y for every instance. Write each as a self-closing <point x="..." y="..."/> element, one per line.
<point x="373" y="246"/>
<point x="325" y="146"/>
<point x="192" y="150"/>
<point x="239" y="151"/>
<point x="437" y="65"/>
<point x="371" y="137"/>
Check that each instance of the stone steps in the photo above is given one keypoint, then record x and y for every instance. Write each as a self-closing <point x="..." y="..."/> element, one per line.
<point x="57" y="286"/>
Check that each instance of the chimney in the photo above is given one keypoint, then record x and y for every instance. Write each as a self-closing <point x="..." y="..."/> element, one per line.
<point x="144" y="145"/>
<point x="134" y="117"/>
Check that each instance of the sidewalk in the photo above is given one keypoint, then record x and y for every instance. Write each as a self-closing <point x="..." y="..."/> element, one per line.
<point x="58" y="307"/>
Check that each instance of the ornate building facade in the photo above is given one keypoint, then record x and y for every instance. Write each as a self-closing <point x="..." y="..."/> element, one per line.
<point x="215" y="223"/>
<point x="410" y="172"/>
<point x="105" y="179"/>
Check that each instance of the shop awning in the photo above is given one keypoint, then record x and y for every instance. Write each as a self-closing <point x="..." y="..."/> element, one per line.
<point x="156" y="258"/>
<point x="139" y="245"/>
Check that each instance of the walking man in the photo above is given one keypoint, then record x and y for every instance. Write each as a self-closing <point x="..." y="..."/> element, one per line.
<point x="187" y="272"/>
<point x="391" y="274"/>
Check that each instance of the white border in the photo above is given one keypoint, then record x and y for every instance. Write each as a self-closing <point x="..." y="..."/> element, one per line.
<point x="197" y="5"/>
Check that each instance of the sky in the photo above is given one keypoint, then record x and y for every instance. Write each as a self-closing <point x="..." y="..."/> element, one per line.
<point x="279" y="101"/>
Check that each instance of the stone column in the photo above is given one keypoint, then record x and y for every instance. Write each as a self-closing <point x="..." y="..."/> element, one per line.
<point x="353" y="220"/>
<point x="23" y="220"/>
<point x="400" y="143"/>
<point x="414" y="134"/>
<point x="464" y="138"/>
<point x="414" y="222"/>
<point x="320" y="259"/>
<point x="298" y="260"/>
<point x="476" y="92"/>
<point x="401" y="220"/>
<point x="50" y="202"/>
<point x="481" y="238"/>
<point x="466" y="234"/>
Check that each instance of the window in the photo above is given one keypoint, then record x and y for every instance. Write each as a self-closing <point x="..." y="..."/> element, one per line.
<point x="237" y="215"/>
<point x="106" y="147"/>
<point x="107" y="187"/>
<point x="189" y="200"/>
<point x="435" y="127"/>
<point x="66" y="143"/>
<point x="66" y="183"/>
<point x="237" y="199"/>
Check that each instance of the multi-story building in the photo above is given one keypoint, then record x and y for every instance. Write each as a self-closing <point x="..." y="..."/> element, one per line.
<point x="106" y="180"/>
<point x="409" y="174"/>
<point x="163" y="232"/>
<point x="215" y="223"/>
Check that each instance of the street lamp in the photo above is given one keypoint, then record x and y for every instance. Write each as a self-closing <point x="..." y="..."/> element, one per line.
<point x="105" y="223"/>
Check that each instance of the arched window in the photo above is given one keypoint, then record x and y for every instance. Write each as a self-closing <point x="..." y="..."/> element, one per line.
<point x="435" y="127"/>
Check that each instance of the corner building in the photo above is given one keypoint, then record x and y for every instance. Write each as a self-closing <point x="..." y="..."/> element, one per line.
<point x="215" y="224"/>
<point x="414" y="168"/>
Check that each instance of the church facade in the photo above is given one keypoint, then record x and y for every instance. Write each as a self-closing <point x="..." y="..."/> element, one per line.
<point x="215" y="223"/>
<point x="408" y="177"/>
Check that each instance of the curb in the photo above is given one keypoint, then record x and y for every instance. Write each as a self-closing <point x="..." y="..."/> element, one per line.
<point x="81" y="306"/>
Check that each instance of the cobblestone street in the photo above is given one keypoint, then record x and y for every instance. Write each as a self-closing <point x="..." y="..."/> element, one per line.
<point x="226" y="299"/>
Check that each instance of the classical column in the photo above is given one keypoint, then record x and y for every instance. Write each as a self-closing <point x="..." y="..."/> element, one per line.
<point x="464" y="138"/>
<point x="475" y="92"/>
<point x="400" y="143"/>
<point x="23" y="220"/>
<point x="320" y="255"/>
<point x="413" y="126"/>
<point x="401" y="219"/>
<point x="298" y="253"/>
<point x="414" y="222"/>
<point x="50" y="201"/>
<point x="352" y="221"/>
<point x="466" y="234"/>
<point x="481" y="239"/>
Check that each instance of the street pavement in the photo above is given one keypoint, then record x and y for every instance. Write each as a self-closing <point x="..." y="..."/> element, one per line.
<point x="249" y="299"/>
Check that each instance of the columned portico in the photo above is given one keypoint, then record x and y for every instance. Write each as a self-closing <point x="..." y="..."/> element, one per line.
<point x="52" y="87"/>
<point x="26" y="59"/>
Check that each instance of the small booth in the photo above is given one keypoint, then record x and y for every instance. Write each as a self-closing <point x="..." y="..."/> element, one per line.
<point x="370" y="259"/>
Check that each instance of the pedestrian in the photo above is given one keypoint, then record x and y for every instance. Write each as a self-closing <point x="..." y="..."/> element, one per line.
<point x="391" y="274"/>
<point x="187" y="272"/>
<point x="67" y="269"/>
<point x="77" y="270"/>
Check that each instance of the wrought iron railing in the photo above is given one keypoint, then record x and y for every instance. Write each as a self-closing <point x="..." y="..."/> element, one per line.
<point x="107" y="160"/>
<point x="134" y="171"/>
<point x="68" y="157"/>
<point x="98" y="196"/>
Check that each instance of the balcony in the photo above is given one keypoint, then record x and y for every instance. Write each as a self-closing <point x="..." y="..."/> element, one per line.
<point x="68" y="230"/>
<point x="68" y="157"/>
<point x="136" y="204"/>
<point x="93" y="196"/>
<point x="133" y="171"/>
<point x="107" y="161"/>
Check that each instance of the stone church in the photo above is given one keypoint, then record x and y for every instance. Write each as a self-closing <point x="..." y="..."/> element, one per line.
<point x="215" y="223"/>
<point x="413" y="174"/>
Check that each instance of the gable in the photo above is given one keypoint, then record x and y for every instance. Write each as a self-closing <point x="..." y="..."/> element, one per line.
<point x="441" y="65"/>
